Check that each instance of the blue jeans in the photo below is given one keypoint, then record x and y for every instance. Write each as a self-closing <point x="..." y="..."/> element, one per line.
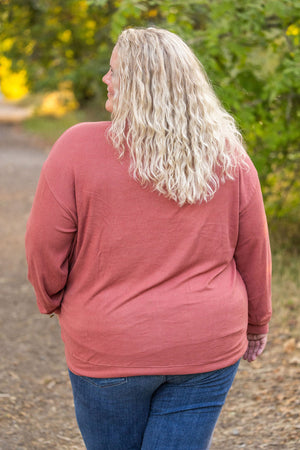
<point x="154" y="412"/>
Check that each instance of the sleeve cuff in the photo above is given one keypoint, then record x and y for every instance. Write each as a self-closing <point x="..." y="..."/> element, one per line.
<point x="258" y="329"/>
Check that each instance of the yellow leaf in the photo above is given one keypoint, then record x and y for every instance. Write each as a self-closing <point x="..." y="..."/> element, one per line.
<point x="152" y="13"/>
<point x="293" y="30"/>
<point x="290" y="345"/>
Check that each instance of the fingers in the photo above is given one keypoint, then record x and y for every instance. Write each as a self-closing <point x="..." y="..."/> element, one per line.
<point x="252" y="350"/>
<point x="256" y="345"/>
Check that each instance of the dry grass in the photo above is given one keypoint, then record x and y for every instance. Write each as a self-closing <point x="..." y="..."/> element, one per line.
<point x="285" y="240"/>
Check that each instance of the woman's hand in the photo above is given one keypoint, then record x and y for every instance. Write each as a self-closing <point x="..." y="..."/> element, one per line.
<point x="256" y="345"/>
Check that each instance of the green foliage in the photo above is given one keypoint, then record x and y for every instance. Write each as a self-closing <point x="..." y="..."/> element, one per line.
<point x="58" y="42"/>
<point x="255" y="69"/>
<point x="250" y="49"/>
<point x="49" y="128"/>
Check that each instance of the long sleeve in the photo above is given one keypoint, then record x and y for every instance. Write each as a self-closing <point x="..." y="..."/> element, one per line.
<point x="253" y="259"/>
<point x="50" y="235"/>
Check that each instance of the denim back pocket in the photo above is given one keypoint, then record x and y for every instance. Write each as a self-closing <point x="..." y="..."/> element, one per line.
<point x="103" y="382"/>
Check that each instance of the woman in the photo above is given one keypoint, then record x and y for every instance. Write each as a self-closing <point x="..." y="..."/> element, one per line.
<point x="148" y="239"/>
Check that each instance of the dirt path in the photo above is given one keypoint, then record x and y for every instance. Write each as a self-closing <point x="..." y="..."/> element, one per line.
<point x="36" y="409"/>
<point x="35" y="398"/>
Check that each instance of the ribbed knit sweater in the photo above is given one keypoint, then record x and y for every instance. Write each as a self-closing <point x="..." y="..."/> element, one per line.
<point x="141" y="285"/>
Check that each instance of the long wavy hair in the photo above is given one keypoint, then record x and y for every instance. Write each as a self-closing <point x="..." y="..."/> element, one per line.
<point x="180" y="138"/>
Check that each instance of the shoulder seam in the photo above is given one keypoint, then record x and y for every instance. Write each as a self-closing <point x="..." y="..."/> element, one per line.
<point x="64" y="207"/>
<point x="254" y="189"/>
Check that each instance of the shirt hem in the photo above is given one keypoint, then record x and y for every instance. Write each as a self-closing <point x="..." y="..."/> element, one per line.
<point x="83" y="368"/>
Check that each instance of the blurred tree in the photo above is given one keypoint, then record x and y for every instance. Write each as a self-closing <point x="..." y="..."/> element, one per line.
<point x="250" y="49"/>
<point x="57" y="42"/>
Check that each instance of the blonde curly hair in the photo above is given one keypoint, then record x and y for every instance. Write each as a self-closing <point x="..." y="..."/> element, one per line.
<point x="180" y="138"/>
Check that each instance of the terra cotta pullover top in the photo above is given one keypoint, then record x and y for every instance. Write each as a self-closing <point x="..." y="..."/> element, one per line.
<point x="141" y="285"/>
